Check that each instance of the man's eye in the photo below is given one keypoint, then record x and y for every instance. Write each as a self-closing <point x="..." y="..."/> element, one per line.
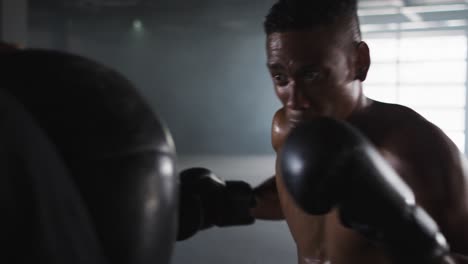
<point x="280" y="78"/>
<point x="311" y="75"/>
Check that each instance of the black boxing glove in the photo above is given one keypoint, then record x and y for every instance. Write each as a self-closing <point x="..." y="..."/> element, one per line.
<point x="207" y="201"/>
<point x="328" y="164"/>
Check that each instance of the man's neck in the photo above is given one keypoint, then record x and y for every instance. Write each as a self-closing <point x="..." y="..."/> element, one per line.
<point x="362" y="101"/>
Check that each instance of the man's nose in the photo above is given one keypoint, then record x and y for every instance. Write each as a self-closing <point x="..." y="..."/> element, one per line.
<point x="298" y="99"/>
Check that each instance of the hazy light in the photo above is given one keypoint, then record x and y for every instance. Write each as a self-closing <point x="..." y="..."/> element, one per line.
<point x="137" y="25"/>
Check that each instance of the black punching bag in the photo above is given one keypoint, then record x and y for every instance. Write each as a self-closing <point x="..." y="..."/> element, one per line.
<point x="119" y="155"/>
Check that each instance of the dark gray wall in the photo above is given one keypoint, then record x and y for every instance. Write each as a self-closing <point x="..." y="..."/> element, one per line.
<point x="205" y="76"/>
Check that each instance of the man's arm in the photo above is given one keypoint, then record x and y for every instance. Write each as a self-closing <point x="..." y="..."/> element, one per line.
<point x="456" y="216"/>
<point x="460" y="259"/>
<point x="436" y="172"/>
<point x="268" y="205"/>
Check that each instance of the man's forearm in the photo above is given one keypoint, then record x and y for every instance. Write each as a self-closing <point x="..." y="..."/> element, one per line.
<point x="459" y="259"/>
<point x="267" y="200"/>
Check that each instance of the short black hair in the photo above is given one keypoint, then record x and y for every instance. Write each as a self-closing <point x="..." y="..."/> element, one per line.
<point x="301" y="15"/>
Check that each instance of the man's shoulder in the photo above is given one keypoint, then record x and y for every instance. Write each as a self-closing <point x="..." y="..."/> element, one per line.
<point x="399" y="119"/>
<point x="431" y="164"/>
<point x="395" y="112"/>
<point x="404" y="133"/>
<point x="411" y="127"/>
<point x="387" y="124"/>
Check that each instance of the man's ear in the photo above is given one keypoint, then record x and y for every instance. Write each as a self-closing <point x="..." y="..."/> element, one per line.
<point x="362" y="62"/>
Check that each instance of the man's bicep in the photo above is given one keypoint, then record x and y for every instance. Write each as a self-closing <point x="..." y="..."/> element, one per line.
<point x="447" y="202"/>
<point x="456" y="232"/>
<point x="456" y="211"/>
<point x="438" y="177"/>
<point x="460" y="259"/>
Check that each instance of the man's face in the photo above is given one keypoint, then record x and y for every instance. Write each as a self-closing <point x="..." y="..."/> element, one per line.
<point x="313" y="74"/>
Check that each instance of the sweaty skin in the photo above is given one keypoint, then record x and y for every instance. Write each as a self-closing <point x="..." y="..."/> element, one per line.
<point x="319" y="73"/>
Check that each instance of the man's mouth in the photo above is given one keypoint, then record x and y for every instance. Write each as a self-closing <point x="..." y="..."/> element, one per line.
<point x="296" y="117"/>
<point x="296" y="120"/>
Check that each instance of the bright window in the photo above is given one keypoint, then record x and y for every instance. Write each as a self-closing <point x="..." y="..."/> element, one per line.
<point x="427" y="74"/>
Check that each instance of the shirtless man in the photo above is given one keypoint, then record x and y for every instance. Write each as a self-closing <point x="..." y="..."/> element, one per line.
<point x="318" y="63"/>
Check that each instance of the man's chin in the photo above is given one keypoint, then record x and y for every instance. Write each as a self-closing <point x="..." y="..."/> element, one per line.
<point x="294" y="122"/>
<point x="297" y="122"/>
